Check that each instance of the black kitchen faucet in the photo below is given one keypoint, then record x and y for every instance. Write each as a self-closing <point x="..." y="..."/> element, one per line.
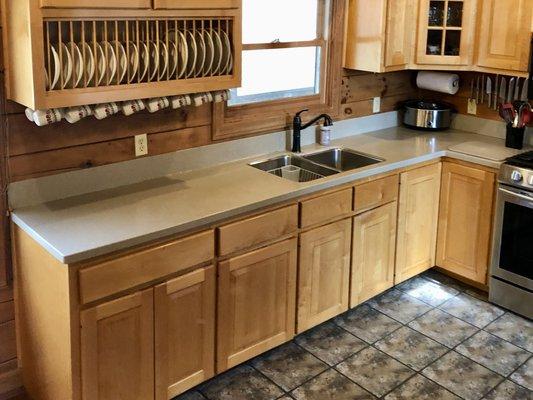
<point x="297" y="128"/>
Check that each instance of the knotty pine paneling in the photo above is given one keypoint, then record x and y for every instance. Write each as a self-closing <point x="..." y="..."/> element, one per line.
<point x="359" y="89"/>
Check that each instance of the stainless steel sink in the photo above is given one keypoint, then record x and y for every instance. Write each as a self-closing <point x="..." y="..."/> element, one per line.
<point x="294" y="168"/>
<point x="343" y="159"/>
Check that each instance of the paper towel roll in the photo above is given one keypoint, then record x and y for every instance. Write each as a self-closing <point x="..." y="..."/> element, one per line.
<point x="438" y="82"/>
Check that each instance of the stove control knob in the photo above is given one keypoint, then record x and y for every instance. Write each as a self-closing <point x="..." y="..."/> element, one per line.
<point x="516" y="176"/>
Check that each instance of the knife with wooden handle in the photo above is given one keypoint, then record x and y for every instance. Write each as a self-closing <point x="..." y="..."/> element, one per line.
<point x="510" y="92"/>
<point x="495" y="104"/>
<point x="503" y="90"/>
<point x="525" y="88"/>
<point x="488" y="90"/>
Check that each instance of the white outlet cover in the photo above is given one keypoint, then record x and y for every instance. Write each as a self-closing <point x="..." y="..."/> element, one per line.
<point x="141" y="145"/>
<point x="376" y="105"/>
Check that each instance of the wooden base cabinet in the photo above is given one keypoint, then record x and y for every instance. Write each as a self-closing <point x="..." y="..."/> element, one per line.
<point x="117" y="349"/>
<point x="184" y="332"/>
<point x="417" y="221"/>
<point x="465" y="217"/>
<point x="324" y="273"/>
<point x="256" y="302"/>
<point x="373" y="253"/>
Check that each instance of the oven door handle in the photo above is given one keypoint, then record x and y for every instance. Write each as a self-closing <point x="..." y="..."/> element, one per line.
<point x="516" y="194"/>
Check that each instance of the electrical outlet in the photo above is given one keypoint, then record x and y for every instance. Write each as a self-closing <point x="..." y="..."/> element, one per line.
<point x="141" y="145"/>
<point x="376" y="105"/>
<point x="472" y="106"/>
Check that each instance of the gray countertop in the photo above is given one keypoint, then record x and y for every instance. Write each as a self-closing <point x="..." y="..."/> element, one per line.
<point x="79" y="228"/>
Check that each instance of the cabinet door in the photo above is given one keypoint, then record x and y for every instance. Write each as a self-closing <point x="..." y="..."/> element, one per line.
<point x="184" y="332"/>
<point x="96" y="3"/>
<point x="197" y="3"/>
<point x="324" y="273"/>
<point x="374" y="244"/>
<point x="465" y="221"/>
<point x="446" y="32"/>
<point x="117" y="349"/>
<point x="401" y="22"/>
<point x="256" y="303"/>
<point x="504" y="40"/>
<point x="417" y="221"/>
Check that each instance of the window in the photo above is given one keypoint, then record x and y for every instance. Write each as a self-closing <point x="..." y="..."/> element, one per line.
<point x="291" y="60"/>
<point x="283" y="49"/>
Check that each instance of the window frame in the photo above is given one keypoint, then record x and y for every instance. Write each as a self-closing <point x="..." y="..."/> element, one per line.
<point x="274" y="115"/>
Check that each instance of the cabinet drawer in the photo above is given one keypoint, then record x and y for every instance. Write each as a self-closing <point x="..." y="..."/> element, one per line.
<point x="138" y="268"/>
<point x="326" y="208"/>
<point x="376" y="193"/>
<point x="197" y="4"/>
<point x="257" y="230"/>
<point x="95" y="4"/>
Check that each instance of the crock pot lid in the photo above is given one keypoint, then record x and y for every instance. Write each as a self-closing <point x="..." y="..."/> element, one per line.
<point x="427" y="105"/>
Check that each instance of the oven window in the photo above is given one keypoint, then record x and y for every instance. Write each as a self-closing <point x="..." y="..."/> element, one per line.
<point x="516" y="253"/>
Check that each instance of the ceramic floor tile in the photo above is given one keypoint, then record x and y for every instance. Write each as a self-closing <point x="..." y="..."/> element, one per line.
<point x="493" y="352"/>
<point x="190" y="396"/>
<point x="241" y="383"/>
<point x="331" y="385"/>
<point x="509" y="391"/>
<point x="524" y="375"/>
<point x="471" y="310"/>
<point x="330" y="343"/>
<point x="411" y="348"/>
<point x="515" y="329"/>
<point x="289" y="366"/>
<point x="429" y="292"/>
<point x="420" y="388"/>
<point x="435" y="276"/>
<point x="398" y="305"/>
<point x="462" y="376"/>
<point x="375" y="371"/>
<point x="366" y="323"/>
<point x="443" y="327"/>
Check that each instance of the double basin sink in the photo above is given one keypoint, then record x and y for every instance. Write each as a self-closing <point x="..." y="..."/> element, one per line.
<point x="316" y="165"/>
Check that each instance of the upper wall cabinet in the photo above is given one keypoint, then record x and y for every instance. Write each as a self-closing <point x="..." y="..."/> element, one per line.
<point x="379" y="34"/>
<point x="192" y="4"/>
<point x="446" y="32"/>
<point x="96" y="3"/>
<point x="118" y="50"/>
<point x="504" y="42"/>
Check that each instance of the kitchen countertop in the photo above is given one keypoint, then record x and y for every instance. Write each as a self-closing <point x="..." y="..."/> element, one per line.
<point x="79" y="228"/>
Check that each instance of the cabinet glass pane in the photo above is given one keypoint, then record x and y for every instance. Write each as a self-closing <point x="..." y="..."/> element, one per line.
<point x="455" y="14"/>
<point x="452" y="45"/>
<point x="273" y="20"/>
<point x="434" y="44"/>
<point x="436" y="13"/>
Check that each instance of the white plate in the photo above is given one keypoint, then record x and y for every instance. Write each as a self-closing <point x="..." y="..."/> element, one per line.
<point x="217" y="54"/>
<point x="183" y="51"/>
<point x="111" y="62"/>
<point x="133" y="61"/>
<point x="193" y="54"/>
<point x="172" y="59"/>
<point x="88" y="60"/>
<point x="66" y="68"/>
<point x="153" y="61"/>
<point x="209" y="53"/>
<point x="200" y="56"/>
<point x="100" y="60"/>
<point x="54" y="68"/>
<point x="227" y="58"/>
<point x="144" y="57"/>
<point x="78" y="63"/>
<point x="163" y="61"/>
<point x="122" y="60"/>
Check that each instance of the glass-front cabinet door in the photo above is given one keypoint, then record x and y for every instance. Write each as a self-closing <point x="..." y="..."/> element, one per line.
<point x="445" y="32"/>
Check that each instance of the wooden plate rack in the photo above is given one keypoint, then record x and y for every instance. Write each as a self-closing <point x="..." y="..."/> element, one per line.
<point x="135" y="54"/>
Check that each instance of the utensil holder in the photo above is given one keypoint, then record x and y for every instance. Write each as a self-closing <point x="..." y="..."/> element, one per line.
<point x="514" y="137"/>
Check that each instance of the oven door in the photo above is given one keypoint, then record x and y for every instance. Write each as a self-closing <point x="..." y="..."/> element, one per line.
<point x="512" y="255"/>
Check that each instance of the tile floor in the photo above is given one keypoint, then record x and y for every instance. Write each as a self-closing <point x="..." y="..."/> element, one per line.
<point x="430" y="338"/>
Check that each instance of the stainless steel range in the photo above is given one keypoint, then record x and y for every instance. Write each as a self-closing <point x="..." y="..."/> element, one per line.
<point x="511" y="283"/>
